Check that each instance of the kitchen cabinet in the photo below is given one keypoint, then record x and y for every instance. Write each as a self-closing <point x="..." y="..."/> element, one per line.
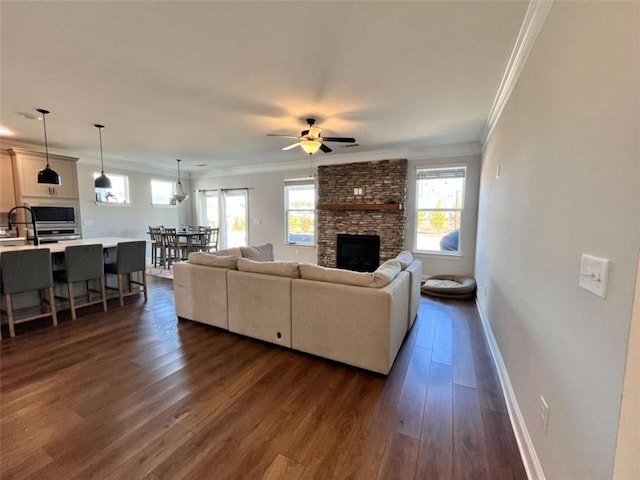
<point x="27" y="164"/>
<point x="7" y="192"/>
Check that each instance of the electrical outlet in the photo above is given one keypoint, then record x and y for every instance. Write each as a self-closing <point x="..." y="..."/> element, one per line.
<point x="543" y="414"/>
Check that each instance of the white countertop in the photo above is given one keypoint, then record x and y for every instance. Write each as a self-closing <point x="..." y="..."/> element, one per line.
<point x="106" y="242"/>
<point x="4" y="240"/>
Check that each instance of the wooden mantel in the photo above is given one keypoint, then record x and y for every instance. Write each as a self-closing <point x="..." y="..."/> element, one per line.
<point x="342" y="207"/>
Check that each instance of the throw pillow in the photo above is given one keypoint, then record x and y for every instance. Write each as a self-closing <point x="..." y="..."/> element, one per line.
<point x="405" y="258"/>
<point x="235" y="251"/>
<point x="261" y="253"/>
<point x="279" y="268"/>
<point x="209" y="260"/>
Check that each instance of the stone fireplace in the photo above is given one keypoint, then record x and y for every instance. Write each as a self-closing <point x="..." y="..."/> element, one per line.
<point x="366" y="198"/>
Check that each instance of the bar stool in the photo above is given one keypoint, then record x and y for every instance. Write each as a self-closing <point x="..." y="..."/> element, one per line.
<point x="25" y="271"/>
<point x="130" y="258"/>
<point x="83" y="263"/>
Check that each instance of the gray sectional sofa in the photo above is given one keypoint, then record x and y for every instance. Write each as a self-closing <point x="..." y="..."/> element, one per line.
<point x="355" y="318"/>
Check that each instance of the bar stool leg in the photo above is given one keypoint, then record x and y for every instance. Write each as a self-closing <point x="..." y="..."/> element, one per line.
<point x="120" y="290"/>
<point x="52" y="306"/>
<point x="144" y="284"/>
<point x="12" y="330"/>
<point x="103" y="292"/>
<point x="72" y="303"/>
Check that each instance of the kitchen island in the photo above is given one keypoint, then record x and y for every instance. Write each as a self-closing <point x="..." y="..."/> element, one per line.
<point x="30" y="299"/>
<point x="106" y="242"/>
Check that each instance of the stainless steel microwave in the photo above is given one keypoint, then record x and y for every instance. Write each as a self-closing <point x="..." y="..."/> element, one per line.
<point x="55" y="214"/>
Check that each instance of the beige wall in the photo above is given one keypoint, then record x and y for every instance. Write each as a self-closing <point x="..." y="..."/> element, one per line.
<point x="567" y="145"/>
<point x="627" y="465"/>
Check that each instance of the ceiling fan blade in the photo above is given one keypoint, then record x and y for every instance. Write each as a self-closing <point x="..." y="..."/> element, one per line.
<point x="293" y="145"/>
<point x="284" y="136"/>
<point x="339" y="139"/>
<point x="325" y="149"/>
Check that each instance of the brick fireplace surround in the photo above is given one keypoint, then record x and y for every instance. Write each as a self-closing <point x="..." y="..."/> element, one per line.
<point x="379" y="210"/>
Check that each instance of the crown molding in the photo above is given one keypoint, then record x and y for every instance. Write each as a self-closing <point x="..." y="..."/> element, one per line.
<point x="533" y="22"/>
<point x="412" y="153"/>
<point x="112" y="163"/>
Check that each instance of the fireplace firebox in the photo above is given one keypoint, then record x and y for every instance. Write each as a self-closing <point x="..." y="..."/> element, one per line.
<point x="360" y="253"/>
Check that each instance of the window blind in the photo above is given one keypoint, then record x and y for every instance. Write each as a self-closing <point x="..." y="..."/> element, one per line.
<point x="436" y="173"/>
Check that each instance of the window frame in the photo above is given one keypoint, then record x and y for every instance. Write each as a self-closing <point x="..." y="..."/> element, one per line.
<point x="296" y="182"/>
<point x="173" y="186"/>
<point x="112" y="176"/>
<point x="460" y="211"/>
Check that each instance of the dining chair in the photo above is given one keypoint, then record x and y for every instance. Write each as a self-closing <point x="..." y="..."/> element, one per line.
<point x="83" y="263"/>
<point x="174" y="250"/>
<point x="198" y="242"/>
<point x="130" y="258"/>
<point x="211" y="239"/>
<point x="157" y="246"/>
<point x="25" y="271"/>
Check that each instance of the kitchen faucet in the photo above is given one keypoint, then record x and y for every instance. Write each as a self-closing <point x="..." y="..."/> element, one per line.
<point x="36" y="240"/>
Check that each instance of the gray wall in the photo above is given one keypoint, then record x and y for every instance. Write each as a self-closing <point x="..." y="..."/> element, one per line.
<point x="266" y="209"/>
<point x="462" y="264"/>
<point x="134" y="219"/>
<point x="567" y="144"/>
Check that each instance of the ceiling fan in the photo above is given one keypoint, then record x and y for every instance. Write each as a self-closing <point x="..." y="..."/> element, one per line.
<point x="311" y="140"/>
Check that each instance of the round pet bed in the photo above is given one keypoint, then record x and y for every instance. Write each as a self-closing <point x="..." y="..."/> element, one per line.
<point x="450" y="286"/>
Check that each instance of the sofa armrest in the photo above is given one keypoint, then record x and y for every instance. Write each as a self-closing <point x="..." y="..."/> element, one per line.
<point x="200" y="293"/>
<point x="359" y="326"/>
<point x="415" y="275"/>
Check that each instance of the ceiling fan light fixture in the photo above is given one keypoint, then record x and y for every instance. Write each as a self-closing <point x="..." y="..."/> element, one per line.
<point x="102" y="181"/>
<point x="48" y="176"/>
<point x="310" y="146"/>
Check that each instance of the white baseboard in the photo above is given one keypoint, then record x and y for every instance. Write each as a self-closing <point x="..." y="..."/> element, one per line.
<point x="527" y="451"/>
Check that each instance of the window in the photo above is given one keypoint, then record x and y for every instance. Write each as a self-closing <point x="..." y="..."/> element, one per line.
<point x="234" y="232"/>
<point x="162" y="192"/>
<point x="119" y="191"/>
<point x="299" y="205"/>
<point x="439" y="208"/>
<point x="226" y="210"/>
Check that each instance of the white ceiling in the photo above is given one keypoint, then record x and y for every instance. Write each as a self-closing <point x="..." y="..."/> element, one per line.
<point x="206" y="81"/>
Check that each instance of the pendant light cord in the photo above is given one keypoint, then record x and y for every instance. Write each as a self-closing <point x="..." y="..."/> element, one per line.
<point x="180" y="191"/>
<point x="100" y="127"/>
<point x="46" y="143"/>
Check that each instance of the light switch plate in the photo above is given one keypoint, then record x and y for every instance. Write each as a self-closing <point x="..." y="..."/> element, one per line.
<point x="594" y="274"/>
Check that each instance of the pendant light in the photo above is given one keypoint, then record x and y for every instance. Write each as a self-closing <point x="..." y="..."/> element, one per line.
<point x="48" y="176"/>
<point x="179" y="196"/>
<point x="102" y="181"/>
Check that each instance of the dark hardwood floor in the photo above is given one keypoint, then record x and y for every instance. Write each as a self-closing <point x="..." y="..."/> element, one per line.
<point x="132" y="394"/>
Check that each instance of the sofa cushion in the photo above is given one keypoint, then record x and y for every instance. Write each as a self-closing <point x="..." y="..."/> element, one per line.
<point x="279" y="268"/>
<point x="261" y="253"/>
<point x="378" y="279"/>
<point x="213" y="260"/>
<point x="405" y="258"/>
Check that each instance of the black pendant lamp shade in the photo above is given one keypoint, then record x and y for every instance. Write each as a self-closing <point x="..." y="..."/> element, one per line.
<point x="48" y="176"/>
<point x="179" y="196"/>
<point x="102" y="181"/>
